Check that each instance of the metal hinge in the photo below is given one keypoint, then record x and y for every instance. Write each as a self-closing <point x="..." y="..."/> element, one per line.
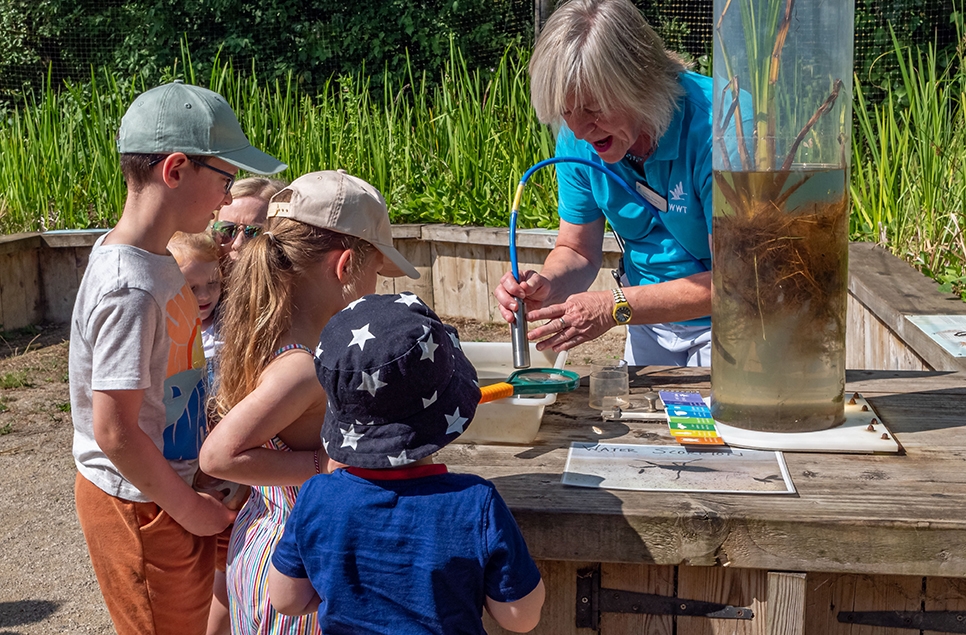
<point x="593" y="600"/>
<point x="942" y="621"/>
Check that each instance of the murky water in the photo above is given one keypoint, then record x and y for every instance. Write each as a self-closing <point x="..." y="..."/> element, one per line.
<point x="779" y="299"/>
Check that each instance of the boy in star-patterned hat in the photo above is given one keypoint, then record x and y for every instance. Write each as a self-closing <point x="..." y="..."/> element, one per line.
<point x="393" y="543"/>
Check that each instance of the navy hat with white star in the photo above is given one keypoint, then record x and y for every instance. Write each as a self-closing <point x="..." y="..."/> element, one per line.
<point x="398" y="383"/>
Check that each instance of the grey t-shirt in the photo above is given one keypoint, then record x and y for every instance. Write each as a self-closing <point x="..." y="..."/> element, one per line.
<point x="136" y="326"/>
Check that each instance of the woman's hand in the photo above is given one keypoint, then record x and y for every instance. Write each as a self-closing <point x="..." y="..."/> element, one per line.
<point x="533" y="289"/>
<point x="581" y="318"/>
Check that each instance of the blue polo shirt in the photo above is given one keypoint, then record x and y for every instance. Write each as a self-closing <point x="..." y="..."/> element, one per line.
<point x="410" y="551"/>
<point x="679" y="170"/>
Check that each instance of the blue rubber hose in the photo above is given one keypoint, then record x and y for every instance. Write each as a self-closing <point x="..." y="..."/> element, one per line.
<point x="518" y="330"/>
<point x="515" y="211"/>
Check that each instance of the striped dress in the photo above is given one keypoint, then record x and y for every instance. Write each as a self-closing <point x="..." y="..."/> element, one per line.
<point x="258" y="529"/>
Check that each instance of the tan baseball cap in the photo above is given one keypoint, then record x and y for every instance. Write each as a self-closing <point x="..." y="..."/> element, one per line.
<point x="338" y="201"/>
<point x="179" y="117"/>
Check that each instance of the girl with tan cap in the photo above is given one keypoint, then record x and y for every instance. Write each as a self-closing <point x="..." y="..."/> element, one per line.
<point x="328" y="236"/>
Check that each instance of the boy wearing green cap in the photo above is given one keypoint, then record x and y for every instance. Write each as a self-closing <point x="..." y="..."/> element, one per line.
<point x="136" y="364"/>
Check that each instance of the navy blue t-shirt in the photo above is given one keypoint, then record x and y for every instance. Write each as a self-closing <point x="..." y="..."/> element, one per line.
<point x="405" y="555"/>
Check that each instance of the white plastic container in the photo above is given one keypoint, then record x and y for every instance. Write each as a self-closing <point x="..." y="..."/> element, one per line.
<point x="514" y="420"/>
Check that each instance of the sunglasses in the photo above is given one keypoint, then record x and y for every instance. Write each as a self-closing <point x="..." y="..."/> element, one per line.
<point x="227" y="175"/>
<point x="224" y="231"/>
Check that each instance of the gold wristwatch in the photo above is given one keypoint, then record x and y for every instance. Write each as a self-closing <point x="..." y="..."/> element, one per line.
<point x="622" y="310"/>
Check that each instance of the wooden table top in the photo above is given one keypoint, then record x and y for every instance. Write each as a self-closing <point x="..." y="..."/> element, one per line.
<point x="886" y="514"/>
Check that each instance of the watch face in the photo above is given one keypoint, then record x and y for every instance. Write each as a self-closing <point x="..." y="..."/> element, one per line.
<point x="622" y="314"/>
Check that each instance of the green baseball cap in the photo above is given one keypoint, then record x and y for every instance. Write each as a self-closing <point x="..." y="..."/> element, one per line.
<point x="179" y="117"/>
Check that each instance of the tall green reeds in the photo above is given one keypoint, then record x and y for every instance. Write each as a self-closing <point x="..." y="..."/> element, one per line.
<point x="909" y="172"/>
<point x="58" y="161"/>
<point x="450" y="150"/>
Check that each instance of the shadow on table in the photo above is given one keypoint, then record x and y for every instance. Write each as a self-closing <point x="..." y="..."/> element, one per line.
<point x="570" y="420"/>
<point x="912" y="401"/>
<point x="582" y="521"/>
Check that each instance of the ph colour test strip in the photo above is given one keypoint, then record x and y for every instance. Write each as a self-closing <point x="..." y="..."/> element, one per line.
<point x="689" y="419"/>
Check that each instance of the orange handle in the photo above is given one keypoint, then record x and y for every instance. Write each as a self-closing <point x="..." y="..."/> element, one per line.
<point x="496" y="391"/>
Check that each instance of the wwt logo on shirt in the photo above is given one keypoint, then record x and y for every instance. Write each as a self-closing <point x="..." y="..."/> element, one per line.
<point x="678" y="194"/>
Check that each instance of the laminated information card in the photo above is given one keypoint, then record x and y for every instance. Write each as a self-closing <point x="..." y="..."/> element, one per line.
<point x="659" y="468"/>
<point x="949" y="331"/>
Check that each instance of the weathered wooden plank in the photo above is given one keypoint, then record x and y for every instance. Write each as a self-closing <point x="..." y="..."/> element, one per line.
<point x="727" y="585"/>
<point x="559" y="613"/>
<point x="817" y="533"/>
<point x="825" y="595"/>
<point x="474" y="294"/>
<point x="459" y="280"/>
<point x="445" y="279"/>
<point x="19" y="289"/>
<point x="891" y="290"/>
<point x="856" y="318"/>
<point x="944" y="594"/>
<point x="419" y="254"/>
<point x="543" y="239"/>
<point x="60" y="274"/>
<point x="886" y="593"/>
<point x="463" y="235"/>
<point x="829" y="594"/>
<point x="30" y="276"/>
<point x="640" y="579"/>
<point x="84" y="238"/>
<point x="385" y="285"/>
<point x="13" y="297"/>
<point x="870" y="344"/>
<point x="407" y="230"/>
<point x="13" y="243"/>
<point x="785" y="611"/>
<point x="497" y="264"/>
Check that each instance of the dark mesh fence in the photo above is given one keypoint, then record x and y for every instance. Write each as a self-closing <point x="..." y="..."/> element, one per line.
<point x="315" y="40"/>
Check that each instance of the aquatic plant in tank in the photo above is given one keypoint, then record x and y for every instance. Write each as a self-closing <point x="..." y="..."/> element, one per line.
<point x="782" y="118"/>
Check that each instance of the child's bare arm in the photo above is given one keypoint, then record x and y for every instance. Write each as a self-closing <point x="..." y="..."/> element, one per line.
<point x="521" y="616"/>
<point x="117" y="433"/>
<point x="291" y="596"/>
<point x="234" y="450"/>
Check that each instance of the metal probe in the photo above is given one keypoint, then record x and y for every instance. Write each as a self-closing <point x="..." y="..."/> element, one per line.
<point x="518" y="337"/>
<point x="518" y="330"/>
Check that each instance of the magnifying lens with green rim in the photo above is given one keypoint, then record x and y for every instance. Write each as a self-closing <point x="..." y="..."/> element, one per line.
<point x="531" y="381"/>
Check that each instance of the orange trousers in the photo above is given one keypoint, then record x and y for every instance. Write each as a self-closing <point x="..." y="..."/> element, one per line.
<point x="155" y="577"/>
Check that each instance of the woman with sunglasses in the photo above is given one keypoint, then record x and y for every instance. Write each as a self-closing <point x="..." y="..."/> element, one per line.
<point x="241" y="221"/>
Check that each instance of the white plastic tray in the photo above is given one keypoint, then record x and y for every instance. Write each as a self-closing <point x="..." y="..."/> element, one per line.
<point x="514" y="420"/>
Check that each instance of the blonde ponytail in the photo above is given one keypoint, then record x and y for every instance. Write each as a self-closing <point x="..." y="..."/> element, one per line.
<point x="258" y="309"/>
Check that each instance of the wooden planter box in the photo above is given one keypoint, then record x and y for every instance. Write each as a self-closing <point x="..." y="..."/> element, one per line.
<point x="40" y="273"/>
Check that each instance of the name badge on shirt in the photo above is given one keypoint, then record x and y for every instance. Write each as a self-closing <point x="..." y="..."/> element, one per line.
<point x="651" y="196"/>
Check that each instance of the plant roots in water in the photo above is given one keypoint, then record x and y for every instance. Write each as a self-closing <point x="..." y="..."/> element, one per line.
<point x="779" y="299"/>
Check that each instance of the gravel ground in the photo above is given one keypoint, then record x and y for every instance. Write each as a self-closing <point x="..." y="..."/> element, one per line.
<point x="46" y="581"/>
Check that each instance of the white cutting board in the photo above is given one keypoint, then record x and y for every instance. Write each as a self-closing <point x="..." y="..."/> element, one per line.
<point x="853" y="436"/>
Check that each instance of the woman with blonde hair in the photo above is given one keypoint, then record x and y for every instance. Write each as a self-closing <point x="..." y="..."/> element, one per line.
<point x="601" y="74"/>
<point x="245" y="217"/>
<point x="310" y="263"/>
